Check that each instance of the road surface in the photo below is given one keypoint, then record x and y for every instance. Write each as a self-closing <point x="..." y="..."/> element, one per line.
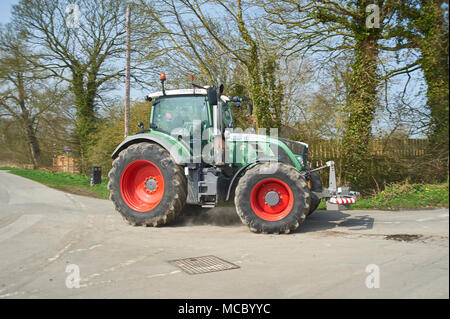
<point x="45" y="232"/>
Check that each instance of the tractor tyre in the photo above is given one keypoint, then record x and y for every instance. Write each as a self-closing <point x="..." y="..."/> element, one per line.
<point x="272" y="198"/>
<point x="146" y="186"/>
<point x="314" y="185"/>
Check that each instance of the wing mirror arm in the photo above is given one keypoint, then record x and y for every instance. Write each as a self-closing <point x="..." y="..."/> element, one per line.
<point x="238" y="100"/>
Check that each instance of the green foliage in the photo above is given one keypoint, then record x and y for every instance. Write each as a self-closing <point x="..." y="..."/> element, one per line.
<point x="407" y="195"/>
<point x="272" y="95"/>
<point x="404" y="196"/>
<point x="427" y="30"/>
<point x="110" y="132"/>
<point x="362" y="99"/>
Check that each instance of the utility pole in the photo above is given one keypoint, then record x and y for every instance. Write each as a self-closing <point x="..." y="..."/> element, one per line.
<point x="127" y="77"/>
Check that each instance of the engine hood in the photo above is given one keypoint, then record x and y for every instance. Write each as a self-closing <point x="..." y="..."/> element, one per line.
<point x="296" y="147"/>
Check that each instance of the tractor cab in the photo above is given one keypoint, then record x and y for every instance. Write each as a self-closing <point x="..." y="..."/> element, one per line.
<point x="179" y="109"/>
<point x="189" y="115"/>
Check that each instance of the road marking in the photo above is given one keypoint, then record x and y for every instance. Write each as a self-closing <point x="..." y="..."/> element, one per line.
<point x="18" y="226"/>
<point x="59" y="253"/>
<point x="84" y="249"/>
<point x="89" y="284"/>
<point x="164" y="274"/>
<point x="12" y="294"/>
<point x="4" y="195"/>
<point x="76" y="201"/>
<point x="432" y="218"/>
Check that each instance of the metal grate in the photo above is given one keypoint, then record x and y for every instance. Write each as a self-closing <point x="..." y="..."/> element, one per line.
<point x="201" y="265"/>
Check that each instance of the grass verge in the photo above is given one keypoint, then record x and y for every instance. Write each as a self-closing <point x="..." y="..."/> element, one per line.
<point x="78" y="184"/>
<point x="394" y="197"/>
<point x="404" y="196"/>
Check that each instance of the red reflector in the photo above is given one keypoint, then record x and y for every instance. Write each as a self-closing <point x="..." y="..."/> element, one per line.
<point x="162" y="77"/>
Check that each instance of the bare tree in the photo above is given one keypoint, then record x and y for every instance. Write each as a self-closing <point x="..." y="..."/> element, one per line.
<point x="81" y="43"/>
<point x="220" y="38"/>
<point x="26" y="95"/>
<point x="361" y="29"/>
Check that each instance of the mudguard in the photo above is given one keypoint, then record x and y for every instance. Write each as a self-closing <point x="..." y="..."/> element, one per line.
<point x="177" y="150"/>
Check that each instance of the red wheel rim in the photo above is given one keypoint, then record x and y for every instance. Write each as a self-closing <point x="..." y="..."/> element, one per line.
<point x="142" y="185"/>
<point x="280" y="194"/>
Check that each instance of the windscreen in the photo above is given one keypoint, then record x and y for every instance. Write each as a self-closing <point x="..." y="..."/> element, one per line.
<point x="170" y="113"/>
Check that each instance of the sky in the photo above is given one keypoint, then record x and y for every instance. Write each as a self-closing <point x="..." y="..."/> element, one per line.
<point x="5" y="10"/>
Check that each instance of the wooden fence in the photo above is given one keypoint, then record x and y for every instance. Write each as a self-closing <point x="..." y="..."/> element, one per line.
<point x="64" y="163"/>
<point x="388" y="161"/>
<point x="321" y="151"/>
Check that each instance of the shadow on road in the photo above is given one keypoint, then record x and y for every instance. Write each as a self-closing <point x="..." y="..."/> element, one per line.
<point x="227" y="216"/>
<point x="219" y="216"/>
<point x="324" y="220"/>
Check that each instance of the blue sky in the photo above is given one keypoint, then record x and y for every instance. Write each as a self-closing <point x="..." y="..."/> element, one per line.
<point x="5" y="10"/>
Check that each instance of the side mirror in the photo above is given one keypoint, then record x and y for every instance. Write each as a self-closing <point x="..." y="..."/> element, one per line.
<point x="237" y="102"/>
<point x="212" y="95"/>
<point x="141" y="125"/>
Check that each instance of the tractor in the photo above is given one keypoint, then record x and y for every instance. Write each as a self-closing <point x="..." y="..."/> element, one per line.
<point x="192" y="154"/>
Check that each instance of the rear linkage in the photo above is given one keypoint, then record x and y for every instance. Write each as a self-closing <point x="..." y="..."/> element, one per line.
<point x="336" y="197"/>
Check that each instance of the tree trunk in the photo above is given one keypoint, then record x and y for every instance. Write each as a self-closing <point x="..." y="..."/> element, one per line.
<point x="434" y="48"/>
<point x="361" y="109"/>
<point x="84" y="102"/>
<point x="33" y="144"/>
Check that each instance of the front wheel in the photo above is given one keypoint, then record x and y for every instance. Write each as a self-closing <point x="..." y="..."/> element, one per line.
<point x="146" y="185"/>
<point x="272" y="198"/>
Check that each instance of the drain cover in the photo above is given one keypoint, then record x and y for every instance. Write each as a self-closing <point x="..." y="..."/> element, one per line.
<point x="201" y="265"/>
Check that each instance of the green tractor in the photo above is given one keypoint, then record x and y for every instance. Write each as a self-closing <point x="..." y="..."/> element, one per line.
<point x="192" y="155"/>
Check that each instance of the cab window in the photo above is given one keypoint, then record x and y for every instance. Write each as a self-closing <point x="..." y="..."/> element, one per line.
<point x="227" y="116"/>
<point x="171" y="113"/>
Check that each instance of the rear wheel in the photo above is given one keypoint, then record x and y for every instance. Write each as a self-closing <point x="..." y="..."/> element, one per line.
<point x="272" y="198"/>
<point x="314" y="185"/>
<point x="146" y="186"/>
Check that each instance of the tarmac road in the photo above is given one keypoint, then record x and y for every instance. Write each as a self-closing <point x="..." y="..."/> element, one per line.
<point x="43" y="230"/>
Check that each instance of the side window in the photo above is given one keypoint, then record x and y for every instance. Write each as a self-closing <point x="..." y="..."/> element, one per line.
<point x="204" y="111"/>
<point x="226" y="115"/>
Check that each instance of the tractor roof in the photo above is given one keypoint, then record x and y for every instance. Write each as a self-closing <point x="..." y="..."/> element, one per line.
<point x="185" y="92"/>
<point x="179" y="92"/>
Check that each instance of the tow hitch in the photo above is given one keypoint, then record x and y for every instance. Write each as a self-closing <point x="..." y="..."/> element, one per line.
<point x="338" y="198"/>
